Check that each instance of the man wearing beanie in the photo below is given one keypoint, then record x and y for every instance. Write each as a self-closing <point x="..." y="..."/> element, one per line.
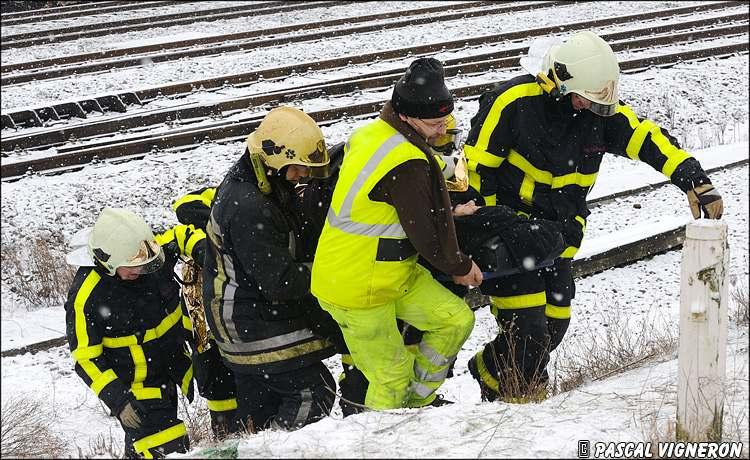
<point x="389" y="206"/>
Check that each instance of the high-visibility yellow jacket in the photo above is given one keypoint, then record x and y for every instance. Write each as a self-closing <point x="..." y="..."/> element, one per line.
<point x="364" y="258"/>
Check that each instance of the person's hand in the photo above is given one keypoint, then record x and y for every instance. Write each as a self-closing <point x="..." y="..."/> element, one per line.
<point x="131" y="415"/>
<point x="705" y="199"/>
<point x="473" y="278"/>
<point x="465" y="209"/>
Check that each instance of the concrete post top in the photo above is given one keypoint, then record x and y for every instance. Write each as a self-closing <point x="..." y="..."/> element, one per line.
<point x="706" y="229"/>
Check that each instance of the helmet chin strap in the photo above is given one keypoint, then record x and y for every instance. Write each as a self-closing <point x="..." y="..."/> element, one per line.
<point x="260" y="172"/>
<point x="548" y="85"/>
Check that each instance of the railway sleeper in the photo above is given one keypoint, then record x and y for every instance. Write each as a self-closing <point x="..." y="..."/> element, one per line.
<point x="26" y="119"/>
<point x="8" y="122"/>
<point x="112" y="103"/>
<point x="91" y="105"/>
<point x="130" y="99"/>
<point x="47" y="113"/>
<point x="70" y="110"/>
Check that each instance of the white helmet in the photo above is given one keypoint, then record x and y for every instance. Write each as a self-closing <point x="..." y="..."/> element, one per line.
<point x="586" y="65"/>
<point x="120" y="238"/>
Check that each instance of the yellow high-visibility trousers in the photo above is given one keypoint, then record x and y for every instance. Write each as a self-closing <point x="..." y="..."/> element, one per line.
<point x="398" y="377"/>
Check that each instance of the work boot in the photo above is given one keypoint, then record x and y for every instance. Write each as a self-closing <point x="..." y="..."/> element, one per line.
<point x="440" y="401"/>
<point x="488" y="394"/>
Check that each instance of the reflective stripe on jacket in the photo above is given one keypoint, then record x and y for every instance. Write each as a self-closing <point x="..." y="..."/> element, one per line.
<point x="537" y="155"/>
<point x="364" y="257"/>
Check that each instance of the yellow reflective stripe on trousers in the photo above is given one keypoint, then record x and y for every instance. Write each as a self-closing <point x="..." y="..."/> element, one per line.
<point x="553" y="311"/>
<point x="502" y="101"/>
<point x="222" y="405"/>
<point x="143" y="445"/>
<point x="187" y="378"/>
<point x="154" y="333"/>
<point x="484" y="373"/>
<point x="569" y="252"/>
<point x="82" y="336"/>
<point x="519" y="301"/>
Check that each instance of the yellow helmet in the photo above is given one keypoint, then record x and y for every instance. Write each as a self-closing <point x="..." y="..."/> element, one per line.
<point x="288" y="136"/>
<point x="585" y="65"/>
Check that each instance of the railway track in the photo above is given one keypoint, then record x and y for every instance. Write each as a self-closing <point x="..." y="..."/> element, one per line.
<point x="120" y="102"/>
<point x="27" y="39"/>
<point x="138" y="145"/>
<point x="243" y="41"/>
<point x="136" y="56"/>
<point x="75" y="11"/>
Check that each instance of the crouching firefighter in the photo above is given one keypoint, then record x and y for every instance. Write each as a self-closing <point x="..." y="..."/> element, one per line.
<point x="267" y="326"/>
<point x="127" y="328"/>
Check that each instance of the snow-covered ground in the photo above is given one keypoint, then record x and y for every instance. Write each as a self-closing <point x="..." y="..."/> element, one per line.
<point x="705" y="104"/>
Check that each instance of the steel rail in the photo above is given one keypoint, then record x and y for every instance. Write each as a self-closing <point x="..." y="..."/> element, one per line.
<point x="51" y="68"/>
<point x="26" y="39"/>
<point x="258" y="39"/>
<point x="331" y="87"/>
<point x="82" y="5"/>
<point x="229" y="131"/>
<point x="477" y="63"/>
<point x="37" y="117"/>
<point x="91" y="11"/>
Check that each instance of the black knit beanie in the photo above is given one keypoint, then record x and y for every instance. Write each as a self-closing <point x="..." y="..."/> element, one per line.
<point x="421" y="92"/>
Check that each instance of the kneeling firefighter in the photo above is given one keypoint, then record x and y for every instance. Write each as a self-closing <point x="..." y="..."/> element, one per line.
<point x="270" y="331"/>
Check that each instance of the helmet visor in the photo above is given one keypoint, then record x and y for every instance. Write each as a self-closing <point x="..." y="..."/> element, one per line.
<point x="150" y="258"/>
<point x="603" y="110"/>
<point x="320" y="172"/>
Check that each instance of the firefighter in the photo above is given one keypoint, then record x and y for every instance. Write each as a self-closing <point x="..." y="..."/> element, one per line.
<point x="269" y="329"/>
<point x="390" y="204"/>
<point x="536" y="145"/>
<point x="214" y="379"/>
<point x="128" y="330"/>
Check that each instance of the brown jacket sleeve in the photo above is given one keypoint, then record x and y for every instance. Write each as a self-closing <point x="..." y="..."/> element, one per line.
<point x="408" y="188"/>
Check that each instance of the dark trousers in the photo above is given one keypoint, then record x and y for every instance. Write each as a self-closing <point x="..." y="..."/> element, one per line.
<point x="161" y="432"/>
<point x="533" y="313"/>
<point x="216" y="383"/>
<point x="287" y="400"/>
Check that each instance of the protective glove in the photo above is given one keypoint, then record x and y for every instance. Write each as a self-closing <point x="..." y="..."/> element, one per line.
<point x="131" y="415"/>
<point x="704" y="198"/>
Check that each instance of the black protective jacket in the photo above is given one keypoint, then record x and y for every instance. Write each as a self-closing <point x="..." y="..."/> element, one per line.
<point x="256" y="289"/>
<point x="128" y="338"/>
<point x="537" y="155"/>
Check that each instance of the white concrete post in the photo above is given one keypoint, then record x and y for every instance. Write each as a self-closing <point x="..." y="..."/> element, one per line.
<point x="703" y="331"/>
